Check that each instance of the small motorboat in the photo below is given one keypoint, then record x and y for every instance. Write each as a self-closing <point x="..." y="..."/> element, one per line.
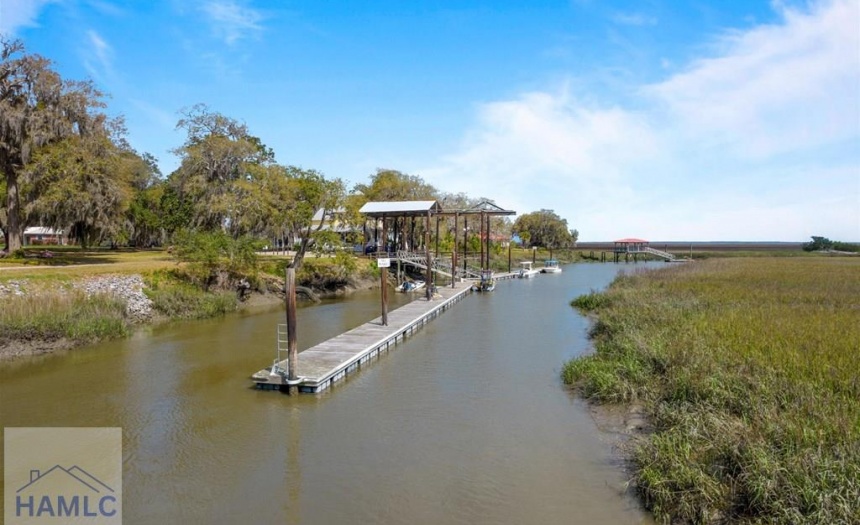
<point x="410" y="286"/>
<point x="527" y="272"/>
<point x="551" y="266"/>
<point x="486" y="284"/>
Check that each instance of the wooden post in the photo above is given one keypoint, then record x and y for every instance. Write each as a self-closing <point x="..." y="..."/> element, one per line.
<point x="509" y="255"/>
<point x="465" y="242"/>
<point x="383" y="276"/>
<point x="437" y="236"/>
<point x="292" y="340"/>
<point x="481" y="239"/>
<point x="427" y="258"/>
<point x="454" y="252"/>
<point x="488" y="241"/>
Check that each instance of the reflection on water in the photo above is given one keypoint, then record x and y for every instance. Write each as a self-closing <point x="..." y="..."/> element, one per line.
<point x="466" y="422"/>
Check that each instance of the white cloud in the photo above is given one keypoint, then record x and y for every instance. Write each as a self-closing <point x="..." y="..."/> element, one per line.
<point x="17" y="14"/>
<point x="775" y="88"/>
<point x="759" y="143"/>
<point x="231" y="21"/>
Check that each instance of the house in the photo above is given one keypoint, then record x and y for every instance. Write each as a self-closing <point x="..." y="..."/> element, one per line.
<point x="333" y="222"/>
<point x="36" y="235"/>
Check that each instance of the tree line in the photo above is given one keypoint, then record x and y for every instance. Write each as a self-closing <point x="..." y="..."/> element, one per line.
<point x="67" y="165"/>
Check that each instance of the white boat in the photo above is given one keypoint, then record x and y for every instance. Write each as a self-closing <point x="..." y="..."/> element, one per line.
<point x="410" y="286"/>
<point x="527" y="272"/>
<point x="551" y="266"/>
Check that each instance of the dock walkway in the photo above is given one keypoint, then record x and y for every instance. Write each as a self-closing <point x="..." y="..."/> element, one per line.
<point x="320" y="366"/>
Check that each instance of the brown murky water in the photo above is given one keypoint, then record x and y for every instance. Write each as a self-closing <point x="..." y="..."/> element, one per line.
<point x="467" y="422"/>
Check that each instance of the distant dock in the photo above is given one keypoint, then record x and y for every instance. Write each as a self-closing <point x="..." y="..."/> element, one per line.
<point x="323" y="365"/>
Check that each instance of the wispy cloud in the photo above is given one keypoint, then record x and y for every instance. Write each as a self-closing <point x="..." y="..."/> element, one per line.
<point x="760" y="142"/>
<point x="18" y="14"/>
<point x="98" y="58"/>
<point x="156" y="115"/>
<point x="634" y="19"/>
<point x="231" y="21"/>
<point x="106" y="8"/>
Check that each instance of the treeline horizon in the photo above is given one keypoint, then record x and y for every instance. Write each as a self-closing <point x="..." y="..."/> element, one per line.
<point x="68" y="166"/>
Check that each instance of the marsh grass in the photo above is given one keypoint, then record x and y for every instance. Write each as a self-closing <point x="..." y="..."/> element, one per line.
<point x="70" y="315"/>
<point x="750" y="372"/>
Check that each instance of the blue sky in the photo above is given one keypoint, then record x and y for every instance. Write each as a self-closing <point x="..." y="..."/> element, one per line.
<point x="659" y="119"/>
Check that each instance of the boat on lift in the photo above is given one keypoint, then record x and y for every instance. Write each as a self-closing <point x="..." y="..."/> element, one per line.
<point x="551" y="266"/>
<point x="411" y="286"/>
<point x="486" y="284"/>
<point x="527" y="272"/>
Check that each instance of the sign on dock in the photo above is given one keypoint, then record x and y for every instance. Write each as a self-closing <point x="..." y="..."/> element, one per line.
<point x="383" y="262"/>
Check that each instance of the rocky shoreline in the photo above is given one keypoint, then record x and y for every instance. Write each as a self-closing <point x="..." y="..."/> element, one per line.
<point x="127" y="287"/>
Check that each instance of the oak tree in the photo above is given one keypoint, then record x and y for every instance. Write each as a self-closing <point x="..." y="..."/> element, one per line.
<point x="543" y="228"/>
<point x="37" y="108"/>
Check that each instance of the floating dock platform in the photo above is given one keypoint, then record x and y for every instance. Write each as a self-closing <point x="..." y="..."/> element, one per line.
<point x="321" y="366"/>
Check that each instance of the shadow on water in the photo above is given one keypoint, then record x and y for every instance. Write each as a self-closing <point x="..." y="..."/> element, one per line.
<point x="465" y="422"/>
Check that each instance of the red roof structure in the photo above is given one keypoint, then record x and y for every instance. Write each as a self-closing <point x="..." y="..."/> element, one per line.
<point x="631" y="240"/>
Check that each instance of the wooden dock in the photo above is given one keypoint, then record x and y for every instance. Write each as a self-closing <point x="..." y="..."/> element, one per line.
<point x="321" y="366"/>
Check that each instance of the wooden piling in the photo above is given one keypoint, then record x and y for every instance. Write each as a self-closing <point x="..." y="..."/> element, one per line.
<point x="481" y="238"/>
<point x="428" y="254"/>
<point x="292" y="340"/>
<point x="383" y="273"/>
<point x="454" y="252"/>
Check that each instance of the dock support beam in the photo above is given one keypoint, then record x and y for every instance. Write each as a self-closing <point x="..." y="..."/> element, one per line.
<point x="383" y="275"/>
<point x="481" y="239"/>
<point x="428" y="254"/>
<point x="454" y="252"/>
<point x="465" y="242"/>
<point x="292" y="340"/>
<point x="488" y="240"/>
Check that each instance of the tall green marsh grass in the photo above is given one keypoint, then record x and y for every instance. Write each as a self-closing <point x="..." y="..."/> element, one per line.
<point x="70" y="315"/>
<point x="750" y="372"/>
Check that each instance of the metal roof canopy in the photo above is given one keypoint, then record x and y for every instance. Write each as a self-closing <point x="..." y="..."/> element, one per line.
<point x="485" y="207"/>
<point x="400" y="208"/>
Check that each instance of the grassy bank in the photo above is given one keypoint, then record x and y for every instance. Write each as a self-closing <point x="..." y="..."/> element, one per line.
<point x="71" y="316"/>
<point x="749" y="370"/>
<point x="51" y="314"/>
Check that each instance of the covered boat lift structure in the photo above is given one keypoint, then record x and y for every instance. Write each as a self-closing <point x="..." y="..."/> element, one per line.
<point x="401" y="210"/>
